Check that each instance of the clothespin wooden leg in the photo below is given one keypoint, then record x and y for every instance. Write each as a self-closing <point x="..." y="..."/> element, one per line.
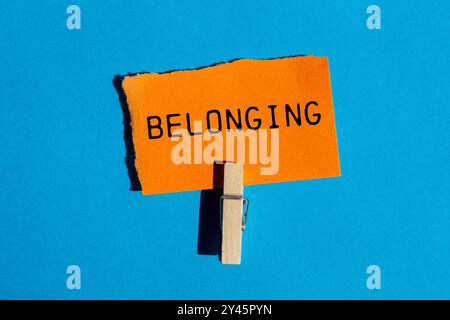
<point x="232" y="202"/>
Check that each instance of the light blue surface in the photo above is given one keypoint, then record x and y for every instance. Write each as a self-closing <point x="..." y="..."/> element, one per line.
<point x="64" y="188"/>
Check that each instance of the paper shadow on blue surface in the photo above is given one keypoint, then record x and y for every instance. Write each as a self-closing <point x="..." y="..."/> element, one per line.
<point x="209" y="230"/>
<point x="135" y="184"/>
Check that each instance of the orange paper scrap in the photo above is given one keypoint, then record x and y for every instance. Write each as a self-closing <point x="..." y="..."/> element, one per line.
<point x="282" y="107"/>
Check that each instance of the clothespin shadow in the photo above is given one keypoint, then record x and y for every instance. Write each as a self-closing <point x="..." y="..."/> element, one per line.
<point x="209" y="240"/>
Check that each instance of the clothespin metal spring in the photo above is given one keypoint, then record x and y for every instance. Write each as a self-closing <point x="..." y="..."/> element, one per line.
<point x="235" y="197"/>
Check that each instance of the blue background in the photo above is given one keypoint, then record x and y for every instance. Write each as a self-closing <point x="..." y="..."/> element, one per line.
<point x="64" y="188"/>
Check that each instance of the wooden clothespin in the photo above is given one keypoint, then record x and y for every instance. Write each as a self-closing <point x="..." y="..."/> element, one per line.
<point x="232" y="219"/>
